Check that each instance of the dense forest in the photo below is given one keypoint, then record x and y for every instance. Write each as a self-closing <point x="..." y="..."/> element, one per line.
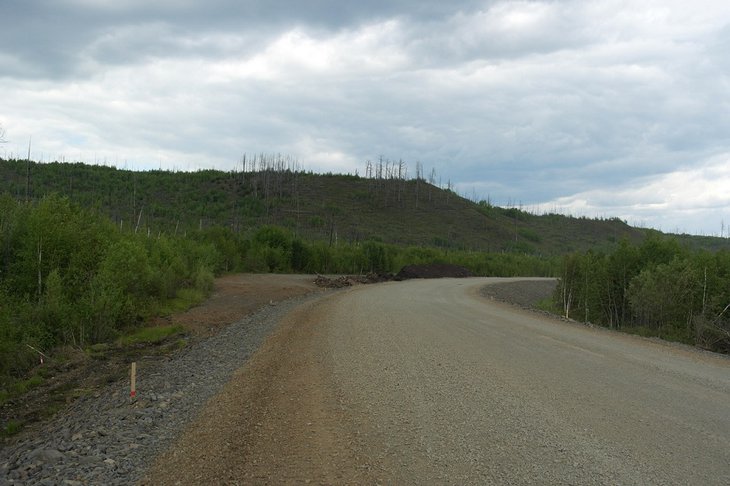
<point x="657" y="288"/>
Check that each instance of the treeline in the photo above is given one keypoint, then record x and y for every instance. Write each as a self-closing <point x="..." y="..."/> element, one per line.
<point x="71" y="276"/>
<point x="390" y="203"/>
<point x="657" y="288"/>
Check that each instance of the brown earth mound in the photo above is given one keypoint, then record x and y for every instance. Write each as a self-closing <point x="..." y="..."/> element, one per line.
<point x="433" y="270"/>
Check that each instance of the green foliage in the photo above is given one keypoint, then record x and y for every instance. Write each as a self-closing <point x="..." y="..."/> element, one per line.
<point x="11" y="428"/>
<point x="300" y="255"/>
<point x="184" y="299"/>
<point x="314" y="207"/>
<point x="520" y="247"/>
<point x="658" y="288"/>
<point x="377" y="257"/>
<point x="517" y="214"/>
<point x="316" y="222"/>
<point x="150" y="335"/>
<point x="203" y="279"/>
<point x="19" y="387"/>
<point x="530" y="235"/>
<point x="272" y="237"/>
<point x="548" y="305"/>
<point x="667" y="294"/>
<point x="68" y="276"/>
<point x="228" y="247"/>
<point x="485" y="208"/>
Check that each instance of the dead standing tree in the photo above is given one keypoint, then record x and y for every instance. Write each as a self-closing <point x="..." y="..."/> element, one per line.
<point x="419" y="176"/>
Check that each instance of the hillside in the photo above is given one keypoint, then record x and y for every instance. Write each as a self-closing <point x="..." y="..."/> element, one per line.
<point x="333" y="208"/>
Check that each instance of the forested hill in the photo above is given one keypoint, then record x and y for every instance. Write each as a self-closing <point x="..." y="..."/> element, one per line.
<point x="332" y="208"/>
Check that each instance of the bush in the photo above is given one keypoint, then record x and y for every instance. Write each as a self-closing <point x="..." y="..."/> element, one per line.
<point x="204" y="279"/>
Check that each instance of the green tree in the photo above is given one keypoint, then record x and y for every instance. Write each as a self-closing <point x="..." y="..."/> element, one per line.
<point x="377" y="257"/>
<point x="299" y="255"/>
<point x="667" y="297"/>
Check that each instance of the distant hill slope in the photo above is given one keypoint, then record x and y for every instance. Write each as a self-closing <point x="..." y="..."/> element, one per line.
<point x="336" y="208"/>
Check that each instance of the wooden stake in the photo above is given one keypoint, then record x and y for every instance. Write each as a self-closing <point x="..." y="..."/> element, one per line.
<point x="133" y="387"/>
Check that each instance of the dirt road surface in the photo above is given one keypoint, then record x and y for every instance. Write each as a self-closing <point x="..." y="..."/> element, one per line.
<point x="428" y="382"/>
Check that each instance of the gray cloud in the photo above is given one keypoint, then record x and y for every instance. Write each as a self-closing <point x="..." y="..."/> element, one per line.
<point x="53" y="37"/>
<point x="544" y="102"/>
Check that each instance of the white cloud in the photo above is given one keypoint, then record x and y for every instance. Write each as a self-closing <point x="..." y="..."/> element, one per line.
<point x="521" y="100"/>
<point x="694" y="200"/>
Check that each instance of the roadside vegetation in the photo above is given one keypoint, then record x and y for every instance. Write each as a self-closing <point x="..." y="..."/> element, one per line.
<point x="70" y="277"/>
<point x="656" y="288"/>
<point x="90" y="255"/>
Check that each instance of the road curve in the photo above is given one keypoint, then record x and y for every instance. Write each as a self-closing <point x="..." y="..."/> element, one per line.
<point x="427" y="382"/>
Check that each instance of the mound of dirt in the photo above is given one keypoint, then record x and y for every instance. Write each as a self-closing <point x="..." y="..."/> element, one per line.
<point x="433" y="270"/>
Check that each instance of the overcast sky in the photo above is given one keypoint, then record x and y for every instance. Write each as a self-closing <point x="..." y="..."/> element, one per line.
<point x="589" y="107"/>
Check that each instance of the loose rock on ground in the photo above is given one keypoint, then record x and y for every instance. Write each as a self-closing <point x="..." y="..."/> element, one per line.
<point x="109" y="439"/>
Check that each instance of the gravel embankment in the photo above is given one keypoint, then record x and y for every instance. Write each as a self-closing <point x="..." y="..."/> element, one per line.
<point x="525" y="293"/>
<point x="108" y="439"/>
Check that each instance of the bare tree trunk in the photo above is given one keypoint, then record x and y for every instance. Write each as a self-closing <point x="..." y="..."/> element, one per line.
<point x="139" y="218"/>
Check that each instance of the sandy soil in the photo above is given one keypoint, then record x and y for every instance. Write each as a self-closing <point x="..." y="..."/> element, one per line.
<point x="235" y="296"/>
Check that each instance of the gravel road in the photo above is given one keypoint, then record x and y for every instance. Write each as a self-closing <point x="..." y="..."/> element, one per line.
<point x="428" y="382"/>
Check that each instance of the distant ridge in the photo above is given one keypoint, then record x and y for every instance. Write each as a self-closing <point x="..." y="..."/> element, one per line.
<point x="333" y="208"/>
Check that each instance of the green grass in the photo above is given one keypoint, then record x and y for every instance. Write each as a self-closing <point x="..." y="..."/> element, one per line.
<point x="99" y="350"/>
<point x="19" y="387"/>
<point x="11" y="428"/>
<point x="184" y="300"/>
<point x="548" y="305"/>
<point x="150" y="335"/>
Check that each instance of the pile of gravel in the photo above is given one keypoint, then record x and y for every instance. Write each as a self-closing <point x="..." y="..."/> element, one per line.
<point x="110" y="439"/>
